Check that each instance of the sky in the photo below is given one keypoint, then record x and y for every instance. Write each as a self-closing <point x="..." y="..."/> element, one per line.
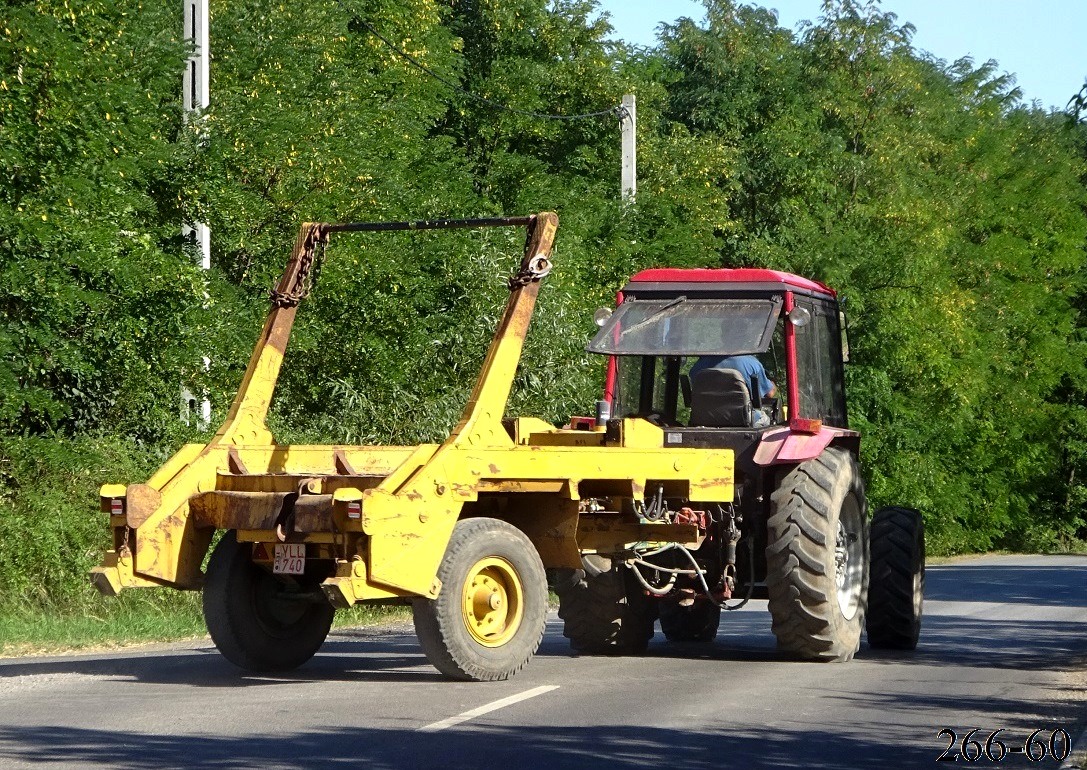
<point x="1038" y="41"/>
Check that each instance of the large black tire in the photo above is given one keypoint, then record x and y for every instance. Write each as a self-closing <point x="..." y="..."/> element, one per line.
<point x="605" y="611"/>
<point x="696" y="623"/>
<point x="489" y="618"/>
<point x="897" y="590"/>
<point x="253" y="626"/>
<point x="817" y="558"/>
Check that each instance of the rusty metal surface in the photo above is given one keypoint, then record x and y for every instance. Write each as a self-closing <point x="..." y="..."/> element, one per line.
<point x="262" y="510"/>
<point x="285" y="482"/>
<point x="297" y="280"/>
<point x="141" y="502"/>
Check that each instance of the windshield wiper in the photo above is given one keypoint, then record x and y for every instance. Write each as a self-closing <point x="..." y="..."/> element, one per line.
<point x="654" y="315"/>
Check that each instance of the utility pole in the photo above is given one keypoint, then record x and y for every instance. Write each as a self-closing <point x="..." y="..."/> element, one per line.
<point x="628" y="120"/>
<point x="195" y="97"/>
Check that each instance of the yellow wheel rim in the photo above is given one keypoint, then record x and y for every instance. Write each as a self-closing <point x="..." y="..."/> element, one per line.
<point x="493" y="601"/>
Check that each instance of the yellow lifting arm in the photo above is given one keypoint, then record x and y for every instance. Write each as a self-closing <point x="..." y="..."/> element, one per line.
<point x="157" y="542"/>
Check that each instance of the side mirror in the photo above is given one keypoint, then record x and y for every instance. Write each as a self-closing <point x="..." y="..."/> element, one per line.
<point x="845" y="337"/>
<point x="799" y="316"/>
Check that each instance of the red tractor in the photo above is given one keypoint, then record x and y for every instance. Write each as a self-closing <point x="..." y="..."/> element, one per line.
<point x="749" y="360"/>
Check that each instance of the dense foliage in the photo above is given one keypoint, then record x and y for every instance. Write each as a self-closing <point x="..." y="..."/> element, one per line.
<point x="951" y="216"/>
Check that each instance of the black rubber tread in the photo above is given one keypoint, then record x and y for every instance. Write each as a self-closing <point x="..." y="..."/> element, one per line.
<point x="605" y="611"/>
<point x="695" y="623"/>
<point x="239" y="614"/>
<point x="439" y="623"/>
<point x="897" y="590"/>
<point x="800" y="558"/>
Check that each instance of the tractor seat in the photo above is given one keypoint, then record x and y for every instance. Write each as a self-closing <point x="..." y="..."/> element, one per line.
<point x="720" y="399"/>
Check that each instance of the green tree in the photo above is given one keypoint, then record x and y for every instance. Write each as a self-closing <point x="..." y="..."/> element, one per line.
<point x="951" y="218"/>
<point x="314" y="118"/>
<point x="95" y="290"/>
<point x="531" y="58"/>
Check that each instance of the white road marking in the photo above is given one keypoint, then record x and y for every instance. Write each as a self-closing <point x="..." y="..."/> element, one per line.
<point x="487" y="708"/>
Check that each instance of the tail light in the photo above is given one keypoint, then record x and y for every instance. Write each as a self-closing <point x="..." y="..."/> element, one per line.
<point x="111" y="499"/>
<point x="354" y="509"/>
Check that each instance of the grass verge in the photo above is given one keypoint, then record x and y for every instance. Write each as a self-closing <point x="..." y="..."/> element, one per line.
<point x="124" y="621"/>
<point x="133" y="619"/>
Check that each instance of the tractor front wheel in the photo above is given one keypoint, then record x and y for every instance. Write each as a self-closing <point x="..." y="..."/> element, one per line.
<point x="488" y="620"/>
<point x="605" y="611"/>
<point x="817" y="558"/>
<point x="257" y="621"/>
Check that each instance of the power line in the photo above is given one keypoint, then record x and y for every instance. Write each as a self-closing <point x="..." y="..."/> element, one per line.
<point x="613" y="111"/>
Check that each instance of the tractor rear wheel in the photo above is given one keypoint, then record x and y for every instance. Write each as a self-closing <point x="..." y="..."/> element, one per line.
<point x="696" y="623"/>
<point x="257" y="621"/>
<point x="817" y="558"/>
<point x="897" y="590"/>
<point x="488" y="620"/>
<point x="604" y="611"/>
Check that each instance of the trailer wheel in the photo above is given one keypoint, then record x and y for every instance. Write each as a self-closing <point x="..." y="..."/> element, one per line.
<point x="604" y="611"/>
<point x="251" y="622"/>
<point x="817" y="558"/>
<point x="897" y="590"/>
<point x="696" y="623"/>
<point x="488" y="620"/>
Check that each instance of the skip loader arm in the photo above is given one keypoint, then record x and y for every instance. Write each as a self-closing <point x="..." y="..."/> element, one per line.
<point x="157" y="541"/>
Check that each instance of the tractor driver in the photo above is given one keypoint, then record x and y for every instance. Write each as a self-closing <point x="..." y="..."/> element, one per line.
<point x="748" y="366"/>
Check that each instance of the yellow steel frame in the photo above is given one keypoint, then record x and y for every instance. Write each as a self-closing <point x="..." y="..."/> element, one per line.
<point x="413" y="496"/>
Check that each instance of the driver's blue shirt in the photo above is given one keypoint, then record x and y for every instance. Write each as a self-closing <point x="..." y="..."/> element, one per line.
<point x="748" y="366"/>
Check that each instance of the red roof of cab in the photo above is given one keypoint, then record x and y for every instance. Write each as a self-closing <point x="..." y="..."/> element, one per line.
<point x="728" y="275"/>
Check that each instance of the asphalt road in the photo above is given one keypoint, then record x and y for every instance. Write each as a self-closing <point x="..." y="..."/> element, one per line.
<point x="1004" y="645"/>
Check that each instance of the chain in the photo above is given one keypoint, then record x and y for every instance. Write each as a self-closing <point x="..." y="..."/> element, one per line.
<point x="124" y="553"/>
<point x="538" y="267"/>
<point x="309" y="267"/>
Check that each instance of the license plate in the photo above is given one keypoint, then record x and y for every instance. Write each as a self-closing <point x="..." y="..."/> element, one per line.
<point x="290" y="559"/>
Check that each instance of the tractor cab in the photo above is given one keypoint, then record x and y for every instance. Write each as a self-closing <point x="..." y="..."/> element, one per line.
<point x="735" y="350"/>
